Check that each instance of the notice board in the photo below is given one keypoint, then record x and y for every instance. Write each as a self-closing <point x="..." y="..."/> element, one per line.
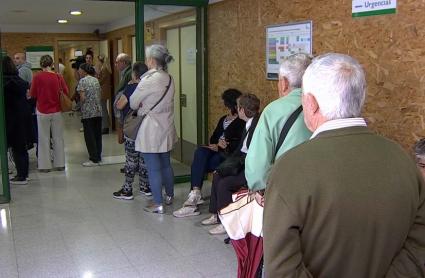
<point x="34" y="53"/>
<point x="284" y="40"/>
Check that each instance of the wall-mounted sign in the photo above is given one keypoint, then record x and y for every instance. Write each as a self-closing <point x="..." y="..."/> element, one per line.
<point x="373" y="7"/>
<point x="34" y="53"/>
<point x="285" y="40"/>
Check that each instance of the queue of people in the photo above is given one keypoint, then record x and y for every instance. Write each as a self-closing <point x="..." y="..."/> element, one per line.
<point x="339" y="200"/>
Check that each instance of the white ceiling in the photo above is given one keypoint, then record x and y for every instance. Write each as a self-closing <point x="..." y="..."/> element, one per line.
<point x="41" y="15"/>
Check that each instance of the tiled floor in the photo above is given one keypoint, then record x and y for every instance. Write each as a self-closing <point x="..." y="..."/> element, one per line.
<point x="68" y="225"/>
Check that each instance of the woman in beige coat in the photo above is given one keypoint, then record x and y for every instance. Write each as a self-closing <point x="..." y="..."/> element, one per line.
<point x="157" y="133"/>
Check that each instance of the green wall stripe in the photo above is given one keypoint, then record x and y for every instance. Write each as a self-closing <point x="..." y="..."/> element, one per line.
<point x="39" y="48"/>
<point x="378" y="12"/>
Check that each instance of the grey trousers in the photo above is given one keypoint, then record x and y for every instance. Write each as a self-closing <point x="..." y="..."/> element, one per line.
<point x="105" y="114"/>
<point x="50" y="124"/>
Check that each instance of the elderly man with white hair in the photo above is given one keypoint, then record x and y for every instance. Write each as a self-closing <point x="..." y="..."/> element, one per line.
<point x="347" y="203"/>
<point x="264" y="149"/>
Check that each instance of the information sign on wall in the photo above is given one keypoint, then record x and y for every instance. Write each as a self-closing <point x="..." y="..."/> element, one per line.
<point x="34" y="53"/>
<point x="285" y="40"/>
<point x="373" y="7"/>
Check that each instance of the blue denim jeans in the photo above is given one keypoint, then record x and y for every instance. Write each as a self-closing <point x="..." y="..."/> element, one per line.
<point x="159" y="173"/>
<point x="204" y="161"/>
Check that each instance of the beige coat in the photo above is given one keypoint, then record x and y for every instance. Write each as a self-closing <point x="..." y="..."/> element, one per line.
<point x="105" y="83"/>
<point x="157" y="134"/>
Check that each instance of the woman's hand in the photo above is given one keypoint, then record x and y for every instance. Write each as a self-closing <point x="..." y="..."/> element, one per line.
<point x="213" y="147"/>
<point x="222" y="143"/>
<point x="122" y="102"/>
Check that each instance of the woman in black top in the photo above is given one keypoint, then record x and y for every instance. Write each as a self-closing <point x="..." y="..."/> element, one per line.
<point x="224" y="140"/>
<point x="19" y="128"/>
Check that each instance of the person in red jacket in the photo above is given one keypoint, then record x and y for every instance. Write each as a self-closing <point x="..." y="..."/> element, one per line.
<point x="45" y="88"/>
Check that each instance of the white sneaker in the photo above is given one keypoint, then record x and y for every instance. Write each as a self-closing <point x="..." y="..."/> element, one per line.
<point x="90" y="164"/>
<point x="186" y="211"/>
<point x="219" y="230"/>
<point x="194" y="199"/>
<point x="210" y="221"/>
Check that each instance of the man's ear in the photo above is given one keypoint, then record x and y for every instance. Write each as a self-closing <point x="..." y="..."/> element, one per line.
<point x="283" y="85"/>
<point x="310" y="102"/>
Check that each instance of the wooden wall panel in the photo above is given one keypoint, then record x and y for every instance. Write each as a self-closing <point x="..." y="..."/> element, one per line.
<point x="390" y="47"/>
<point x="17" y="42"/>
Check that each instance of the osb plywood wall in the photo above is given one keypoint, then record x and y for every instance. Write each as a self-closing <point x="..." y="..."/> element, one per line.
<point x="390" y="47"/>
<point x="17" y="42"/>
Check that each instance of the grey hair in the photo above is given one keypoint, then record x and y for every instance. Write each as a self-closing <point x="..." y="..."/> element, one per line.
<point x="160" y="54"/>
<point x="338" y="83"/>
<point x="419" y="148"/>
<point x="124" y="58"/>
<point x="293" y="68"/>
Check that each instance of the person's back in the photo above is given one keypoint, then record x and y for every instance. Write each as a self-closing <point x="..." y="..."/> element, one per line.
<point x="45" y="88"/>
<point x="355" y="214"/>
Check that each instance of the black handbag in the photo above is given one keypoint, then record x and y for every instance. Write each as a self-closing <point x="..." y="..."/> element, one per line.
<point x="132" y="121"/>
<point x="231" y="166"/>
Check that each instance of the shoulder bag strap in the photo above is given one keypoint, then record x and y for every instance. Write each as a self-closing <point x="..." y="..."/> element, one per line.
<point x="291" y="120"/>
<point x="163" y="95"/>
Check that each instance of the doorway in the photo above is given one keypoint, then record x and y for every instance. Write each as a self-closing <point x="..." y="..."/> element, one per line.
<point x="181" y="42"/>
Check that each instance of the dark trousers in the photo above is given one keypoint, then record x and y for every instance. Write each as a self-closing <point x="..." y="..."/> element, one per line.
<point x="223" y="188"/>
<point x="93" y="137"/>
<point x="20" y="156"/>
<point x="204" y="161"/>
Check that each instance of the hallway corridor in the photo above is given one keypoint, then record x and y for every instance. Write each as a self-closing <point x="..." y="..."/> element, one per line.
<point x="66" y="224"/>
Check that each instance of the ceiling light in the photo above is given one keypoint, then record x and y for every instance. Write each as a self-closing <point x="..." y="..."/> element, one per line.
<point x="76" y="12"/>
<point x="62" y="21"/>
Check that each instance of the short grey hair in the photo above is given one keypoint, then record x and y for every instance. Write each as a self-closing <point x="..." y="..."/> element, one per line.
<point x="124" y="58"/>
<point x="160" y="54"/>
<point x="293" y="68"/>
<point x="338" y="83"/>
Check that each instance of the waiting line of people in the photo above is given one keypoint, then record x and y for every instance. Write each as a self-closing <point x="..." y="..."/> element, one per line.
<point x="340" y="201"/>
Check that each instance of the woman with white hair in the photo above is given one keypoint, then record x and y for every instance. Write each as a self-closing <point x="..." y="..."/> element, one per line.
<point x="157" y="133"/>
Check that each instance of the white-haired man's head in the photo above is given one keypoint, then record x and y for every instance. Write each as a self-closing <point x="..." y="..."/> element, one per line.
<point x="334" y="87"/>
<point x="291" y="72"/>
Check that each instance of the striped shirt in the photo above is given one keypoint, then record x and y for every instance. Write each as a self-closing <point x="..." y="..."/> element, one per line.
<point x="337" y="124"/>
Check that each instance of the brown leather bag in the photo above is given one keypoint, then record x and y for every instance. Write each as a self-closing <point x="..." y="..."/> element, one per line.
<point x="65" y="101"/>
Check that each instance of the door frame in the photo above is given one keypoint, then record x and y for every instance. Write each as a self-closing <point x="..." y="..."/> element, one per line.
<point x="201" y="7"/>
<point x="5" y="197"/>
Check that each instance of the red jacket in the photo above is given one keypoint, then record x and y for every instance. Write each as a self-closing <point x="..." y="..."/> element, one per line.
<point x="45" y="88"/>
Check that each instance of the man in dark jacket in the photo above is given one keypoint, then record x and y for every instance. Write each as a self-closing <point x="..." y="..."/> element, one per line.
<point x="347" y="203"/>
<point x="19" y="128"/>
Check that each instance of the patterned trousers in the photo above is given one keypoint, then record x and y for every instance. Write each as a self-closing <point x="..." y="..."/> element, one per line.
<point x="134" y="163"/>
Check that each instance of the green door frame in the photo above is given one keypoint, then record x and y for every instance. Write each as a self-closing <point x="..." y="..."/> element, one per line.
<point x="5" y="197"/>
<point x="201" y="55"/>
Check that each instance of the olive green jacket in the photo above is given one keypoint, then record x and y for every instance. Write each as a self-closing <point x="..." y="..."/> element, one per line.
<point x="347" y="203"/>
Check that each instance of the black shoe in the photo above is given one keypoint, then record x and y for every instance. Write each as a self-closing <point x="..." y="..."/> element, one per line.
<point x="105" y="131"/>
<point x="146" y="191"/>
<point x="18" y="180"/>
<point x="122" y="170"/>
<point x="122" y="195"/>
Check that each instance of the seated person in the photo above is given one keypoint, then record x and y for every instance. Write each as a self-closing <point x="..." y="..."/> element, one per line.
<point x="419" y="149"/>
<point x="224" y="141"/>
<point x="224" y="186"/>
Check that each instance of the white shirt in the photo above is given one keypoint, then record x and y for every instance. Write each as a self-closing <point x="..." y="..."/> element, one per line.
<point x="337" y="124"/>
<point x="247" y="126"/>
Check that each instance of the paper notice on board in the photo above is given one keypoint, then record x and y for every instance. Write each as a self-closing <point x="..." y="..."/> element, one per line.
<point x="373" y="7"/>
<point x="191" y="56"/>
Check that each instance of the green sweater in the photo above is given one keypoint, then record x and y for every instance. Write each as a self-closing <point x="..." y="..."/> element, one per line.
<point x="124" y="79"/>
<point x="348" y="204"/>
<point x="260" y="157"/>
